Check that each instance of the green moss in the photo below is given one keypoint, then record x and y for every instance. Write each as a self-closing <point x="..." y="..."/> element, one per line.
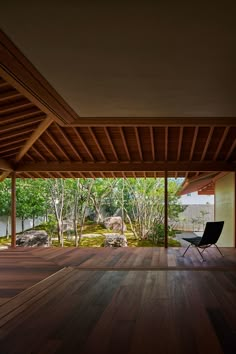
<point x="4" y="241"/>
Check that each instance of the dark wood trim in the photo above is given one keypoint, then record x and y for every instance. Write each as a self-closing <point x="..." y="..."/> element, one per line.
<point x="16" y="69"/>
<point x="234" y="209"/>
<point x="155" y="121"/>
<point x="126" y="166"/>
<point x="13" y="209"/>
<point x="166" y="208"/>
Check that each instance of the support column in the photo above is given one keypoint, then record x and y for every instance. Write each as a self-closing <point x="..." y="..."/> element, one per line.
<point x="166" y="209"/>
<point x="13" y="209"/>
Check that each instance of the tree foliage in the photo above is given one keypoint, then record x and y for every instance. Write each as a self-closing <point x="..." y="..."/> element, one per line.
<point x="140" y="202"/>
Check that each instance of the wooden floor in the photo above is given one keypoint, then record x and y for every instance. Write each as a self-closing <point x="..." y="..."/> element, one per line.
<point x="133" y="300"/>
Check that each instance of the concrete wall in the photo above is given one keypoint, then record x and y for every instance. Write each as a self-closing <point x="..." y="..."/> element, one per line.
<point x="28" y="224"/>
<point x="225" y="208"/>
<point x="202" y="212"/>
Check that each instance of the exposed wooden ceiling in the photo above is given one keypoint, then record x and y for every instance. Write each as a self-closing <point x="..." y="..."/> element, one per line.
<point x="42" y="137"/>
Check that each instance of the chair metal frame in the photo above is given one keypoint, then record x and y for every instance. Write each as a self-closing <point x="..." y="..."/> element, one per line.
<point x="198" y="242"/>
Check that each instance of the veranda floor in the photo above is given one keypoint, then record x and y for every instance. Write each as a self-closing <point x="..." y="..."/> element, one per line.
<point x="132" y="300"/>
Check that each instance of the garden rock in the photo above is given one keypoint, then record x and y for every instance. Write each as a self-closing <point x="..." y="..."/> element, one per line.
<point x="114" y="223"/>
<point x="32" y="238"/>
<point x="114" y="240"/>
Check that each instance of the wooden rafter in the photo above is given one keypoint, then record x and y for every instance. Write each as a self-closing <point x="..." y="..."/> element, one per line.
<point x="124" y="142"/>
<point x="19" y="139"/>
<point x="14" y="147"/>
<point x="38" y="153"/>
<point x="230" y="151"/>
<point x="29" y="156"/>
<point x="152" y="143"/>
<point x="22" y="114"/>
<point x="111" y="143"/>
<point x="127" y="166"/>
<point x="193" y="143"/>
<point x="9" y="95"/>
<point x="180" y="143"/>
<point x="97" y="143"/>
<point x="138" y="143"/>
<point x="207" y="143"/>
<point x="68" y="142"/>
<point x="9" y="107"/>
<point x="49" y="135"/>
<point x="83" y="143"/>
<point x="22" y="123"/>
<point x="47" y="148"/>
<point x="222" y="140"/>
<point x="14" y="134"/>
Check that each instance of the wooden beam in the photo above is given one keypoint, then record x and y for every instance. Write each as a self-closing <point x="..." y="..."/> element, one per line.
<point x="22" y="123"/>
<point x="111" y="143"/>
<point x="17" y="105"/>
<point x="124" y="142"/>
<point x="180" y="143"/>
<point x="152" y="143"/>
<point x="166" y="209"/>
<point x="230" y="150"/>
<point x="24" y="132"/>
<point x="54" y="141"/>
<point x="61" y="131"/>
<point x="36" y="151"/>
<point x="97" y="143"/>
<point x="36" y="134"/>
<point x="193" y="143"/>
<point x="222" y="140"/>
<point x="9" y="94"/>
<point x="5" y="165"/>
<point x="22" y="114"/>
<point x="83" y="143"/>
<point x="13" y="209"/>
<point x="138" y="143"/>
<point x="127" y="166"/>
<point x="207" y="143"/>
<point x="47" y="148"/>
<point x="155" y="121"/>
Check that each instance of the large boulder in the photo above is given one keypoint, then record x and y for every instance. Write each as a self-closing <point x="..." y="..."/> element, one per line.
<point x="114" y="223"/>
<point x="32" y="238"/>
<point x="114" y="240"/>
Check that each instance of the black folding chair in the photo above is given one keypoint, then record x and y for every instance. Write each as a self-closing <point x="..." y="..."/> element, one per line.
<point x="210" y="236"/>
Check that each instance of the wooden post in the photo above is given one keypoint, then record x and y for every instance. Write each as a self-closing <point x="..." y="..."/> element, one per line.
<point x="166" y="209"/>
<point x="13" y="209"/>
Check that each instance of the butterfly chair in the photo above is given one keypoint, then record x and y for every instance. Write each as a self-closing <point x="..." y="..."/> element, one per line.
<point x="210" y="236"/>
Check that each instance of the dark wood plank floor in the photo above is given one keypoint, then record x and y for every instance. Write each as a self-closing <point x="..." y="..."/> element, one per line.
<point x="137" y="257"/>
<point x="134" y="301"/>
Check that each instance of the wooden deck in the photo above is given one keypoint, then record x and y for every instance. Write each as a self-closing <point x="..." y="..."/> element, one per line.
<point x="134" y="300"/>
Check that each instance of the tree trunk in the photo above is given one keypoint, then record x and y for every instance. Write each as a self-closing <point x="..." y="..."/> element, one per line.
<point x="7" y="226"/>
<point x="23" y="223"/>
<point x="33" y="221"/>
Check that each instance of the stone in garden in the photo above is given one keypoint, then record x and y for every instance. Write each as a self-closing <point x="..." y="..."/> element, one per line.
<point x="114" y="223"/>
<point x="32" y="238"/>
<point x="114" y="240"/>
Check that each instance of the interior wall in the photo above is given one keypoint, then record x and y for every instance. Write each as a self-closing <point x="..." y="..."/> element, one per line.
<point x="225" y="208"/>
